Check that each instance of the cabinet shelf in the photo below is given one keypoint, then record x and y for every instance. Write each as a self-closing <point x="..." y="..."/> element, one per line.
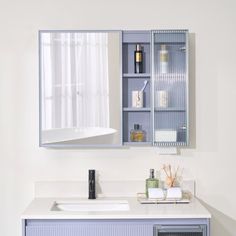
<point x="133" y="109"/>
<point x="170" y="144"/>
<point x="171" y="109"/>
<point x="172" y="76"/>
<point x="170" y="43"/>
<point x="135" y="75"/>
<point x="137" y="143"/>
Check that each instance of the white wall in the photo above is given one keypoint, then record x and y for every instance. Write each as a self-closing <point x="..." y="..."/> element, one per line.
<point x="211" y="160"/>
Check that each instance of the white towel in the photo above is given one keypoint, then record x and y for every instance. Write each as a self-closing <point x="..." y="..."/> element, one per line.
<point x="156" y="193"/>
<point x="174" y="193"/>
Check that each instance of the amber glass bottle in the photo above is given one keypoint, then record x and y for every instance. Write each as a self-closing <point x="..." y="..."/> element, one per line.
<point x="138" y="59"/>
<point x="137" y="134"/>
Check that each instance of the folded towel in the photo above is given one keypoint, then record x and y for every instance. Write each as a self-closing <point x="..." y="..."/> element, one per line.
<point x="174" y="193"/>
<point x="156" y="193"/>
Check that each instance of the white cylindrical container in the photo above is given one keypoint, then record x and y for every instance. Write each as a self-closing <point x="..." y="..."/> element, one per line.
<point x="161" y="99"/>
<point x="164" y="58"/>
<point x="137" y="99"/>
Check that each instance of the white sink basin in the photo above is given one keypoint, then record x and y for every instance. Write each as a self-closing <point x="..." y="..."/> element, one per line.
<point x="91" y="205"/>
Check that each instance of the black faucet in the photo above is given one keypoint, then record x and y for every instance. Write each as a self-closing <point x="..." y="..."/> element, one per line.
<point x="92" y="185"/>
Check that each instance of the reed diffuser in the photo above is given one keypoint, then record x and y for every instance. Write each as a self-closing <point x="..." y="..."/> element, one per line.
<point x="171" y="176"/>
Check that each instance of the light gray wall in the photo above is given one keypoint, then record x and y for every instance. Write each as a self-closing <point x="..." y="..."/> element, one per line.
<point x="211" y="158"/>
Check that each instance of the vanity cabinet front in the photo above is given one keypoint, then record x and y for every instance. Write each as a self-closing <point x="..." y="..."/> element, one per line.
<point x="129" y="227"/>
<point x="86" y="228"/>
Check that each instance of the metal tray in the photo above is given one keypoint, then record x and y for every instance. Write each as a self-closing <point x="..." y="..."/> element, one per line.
<point x="184" y="200"/>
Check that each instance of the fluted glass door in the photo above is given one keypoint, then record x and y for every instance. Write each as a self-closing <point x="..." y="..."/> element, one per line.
<point x="170" y="90"/>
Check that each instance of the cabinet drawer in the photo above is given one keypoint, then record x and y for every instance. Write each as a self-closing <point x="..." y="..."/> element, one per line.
<point x="89" y="229"/>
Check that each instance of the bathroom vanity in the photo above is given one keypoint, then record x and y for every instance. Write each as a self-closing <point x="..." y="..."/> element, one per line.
<point x="59" y="217"/>
<point x="97" y="86"/>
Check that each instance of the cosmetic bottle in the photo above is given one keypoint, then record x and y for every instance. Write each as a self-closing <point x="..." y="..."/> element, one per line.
<point x="137" y="134"/>
<point x="151" y="182"/>
<point x="92" y="184"/>
<point x="181" y="133"/>
<point x="164" y="58"/>
<point x="138" y="59"/>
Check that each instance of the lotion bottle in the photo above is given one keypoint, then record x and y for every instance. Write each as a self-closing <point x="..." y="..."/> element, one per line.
<point x="164" y="58"/>
<point x="151" y="182"/>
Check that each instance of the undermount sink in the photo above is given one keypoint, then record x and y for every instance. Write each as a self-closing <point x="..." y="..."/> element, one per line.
<point x="91" y="205"/>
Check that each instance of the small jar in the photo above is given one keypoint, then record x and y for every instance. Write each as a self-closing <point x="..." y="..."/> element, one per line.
<point x="182" y="133"/>
<point x="137" y="134"/>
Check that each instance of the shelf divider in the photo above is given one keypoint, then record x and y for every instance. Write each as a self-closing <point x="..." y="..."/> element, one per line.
<point x="135" y="75"/>
<point x="134" y="109"/>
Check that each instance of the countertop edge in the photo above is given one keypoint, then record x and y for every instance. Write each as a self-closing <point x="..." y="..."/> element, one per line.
<point x="40" y="208"/>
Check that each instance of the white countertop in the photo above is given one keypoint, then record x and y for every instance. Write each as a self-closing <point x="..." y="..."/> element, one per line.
<point x="40" y="208"/>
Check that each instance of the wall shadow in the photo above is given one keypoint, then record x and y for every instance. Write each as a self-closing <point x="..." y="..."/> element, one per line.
<point x="192" y="90"/>
<point x="221" y="224"/>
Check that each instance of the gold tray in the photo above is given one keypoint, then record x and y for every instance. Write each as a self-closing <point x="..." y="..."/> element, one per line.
<point x="184" y="200"/>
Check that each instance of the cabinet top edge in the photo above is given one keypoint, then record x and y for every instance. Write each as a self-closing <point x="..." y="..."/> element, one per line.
<point x="112" y="30"/>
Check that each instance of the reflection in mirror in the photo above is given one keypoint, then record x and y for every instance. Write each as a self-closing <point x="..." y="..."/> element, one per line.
<point x="80" y="88"/>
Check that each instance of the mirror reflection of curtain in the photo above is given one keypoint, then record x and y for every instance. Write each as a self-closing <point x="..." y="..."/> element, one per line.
<point x="75" y="86"/>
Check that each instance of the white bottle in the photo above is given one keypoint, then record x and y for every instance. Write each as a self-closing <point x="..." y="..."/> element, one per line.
<point x="164" y="57"/>
<point x="162" y="98"/>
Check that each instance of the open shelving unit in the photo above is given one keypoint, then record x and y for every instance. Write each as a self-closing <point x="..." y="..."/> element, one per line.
<point x="134" y="81"/>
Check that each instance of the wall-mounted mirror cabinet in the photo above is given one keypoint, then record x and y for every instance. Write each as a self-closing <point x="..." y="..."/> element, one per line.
<point x="113" y="88"/>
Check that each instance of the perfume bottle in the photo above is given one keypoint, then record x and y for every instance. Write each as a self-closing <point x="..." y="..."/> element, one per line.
<point x="151" y="182"/>
<point x="164" y="58"/>
<point x="137" y="134"/>
<point x="138" y="59"/>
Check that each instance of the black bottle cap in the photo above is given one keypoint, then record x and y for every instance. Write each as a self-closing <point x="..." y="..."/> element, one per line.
<point x="91" y="173"/>
<point x="136" y="126"/>
<point x="152" y="173"/>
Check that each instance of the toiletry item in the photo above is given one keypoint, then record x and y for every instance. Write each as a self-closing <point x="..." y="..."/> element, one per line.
<point x="137" y="96"/>
<point x="92" y="184"/>
<point x="161" y="99"/>
<point x="144" y="86"/>
<point x="174" y="193"/>
<point x="138" y="59"/>
<point x="137" y="134"/>
<point x="156" y="193"/>
<point x="171" y="176"/>
<point x="182" y="133"/>
<point x="163" y="135"/>
<point x="164" y="58"/>
<point x="151" y="182"/>
<point x="137" y="99"/>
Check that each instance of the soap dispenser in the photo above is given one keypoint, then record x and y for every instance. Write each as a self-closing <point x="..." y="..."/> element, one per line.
<point x="92" y="185"/>
<point x="151" y="182"/>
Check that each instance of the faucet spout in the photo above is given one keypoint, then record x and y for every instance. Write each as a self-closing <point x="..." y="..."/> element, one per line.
<point x="92" y="185"/>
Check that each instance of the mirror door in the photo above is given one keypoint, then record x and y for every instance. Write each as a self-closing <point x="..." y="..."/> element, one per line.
<point x="80" y="88"/>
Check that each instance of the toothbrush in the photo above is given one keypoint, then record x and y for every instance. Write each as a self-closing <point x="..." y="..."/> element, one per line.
<point x="144" y="86"/>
